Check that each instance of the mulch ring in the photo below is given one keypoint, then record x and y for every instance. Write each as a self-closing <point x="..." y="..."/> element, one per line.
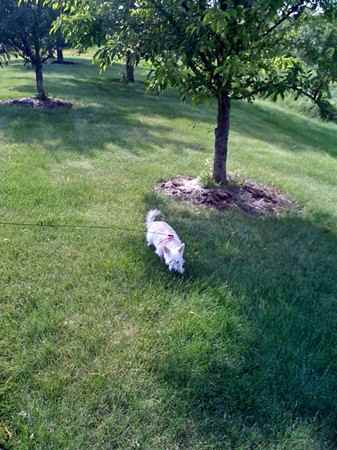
<point x="33" y="102"/>
<point x="249" y="197"/>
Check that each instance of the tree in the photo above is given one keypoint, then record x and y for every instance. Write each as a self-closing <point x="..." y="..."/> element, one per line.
<point x="102" y="23"/>
<point x="119" y="36"/>
<point x="227" y="49"/>
<point x="24" y="32"/>
<point x="60" y="44"/>
<point x="315" y="45"/>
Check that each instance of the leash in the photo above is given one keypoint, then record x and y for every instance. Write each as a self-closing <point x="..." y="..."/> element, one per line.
<point x="74" y="227"/>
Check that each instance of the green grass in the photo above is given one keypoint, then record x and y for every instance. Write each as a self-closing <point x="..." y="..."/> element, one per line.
<point x="101" y="347"/>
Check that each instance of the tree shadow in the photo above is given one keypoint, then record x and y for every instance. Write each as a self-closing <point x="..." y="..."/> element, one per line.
<point x="105" y="114"/>
<point x="89" y="130"/>
<point x="247" y="346"/>
<point x="102" y="101"/>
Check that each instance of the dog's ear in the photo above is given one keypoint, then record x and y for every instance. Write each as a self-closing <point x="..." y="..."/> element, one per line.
<point x="181" y="248"/>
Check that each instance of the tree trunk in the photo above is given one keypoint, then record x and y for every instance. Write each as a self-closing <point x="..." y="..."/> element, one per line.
<point x="59" y="53"/>
<point x="221" y="139"/>
<point x="130" y="68"/>
<point x="41" y="93"/>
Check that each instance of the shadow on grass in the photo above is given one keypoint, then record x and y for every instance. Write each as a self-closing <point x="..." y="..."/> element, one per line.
<point x="101" y="102"/>
<point x="105" y="111"/>
<point x="89" y="130"/>
<point x="246" y="351"/>
<point x="248" y="357"/>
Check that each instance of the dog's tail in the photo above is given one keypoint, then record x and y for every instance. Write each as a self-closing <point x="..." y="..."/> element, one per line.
<point x="151" y="215"/>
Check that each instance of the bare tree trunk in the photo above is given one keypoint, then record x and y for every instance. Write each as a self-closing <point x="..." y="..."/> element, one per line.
<point x="130" y="68"/>
<point x="41" y="93"/>
<point x="221" y="139"/>
<point x="59" y="57"/>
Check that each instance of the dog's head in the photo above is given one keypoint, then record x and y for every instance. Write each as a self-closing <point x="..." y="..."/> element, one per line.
<point x="175" y="258"/>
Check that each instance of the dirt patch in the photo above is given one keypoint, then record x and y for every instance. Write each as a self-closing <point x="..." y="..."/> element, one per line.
<point x="249" y="197"/>
<point x="33" y="102"/>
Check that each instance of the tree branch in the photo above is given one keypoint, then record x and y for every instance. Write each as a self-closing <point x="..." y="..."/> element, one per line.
<point x="298" y="7"/>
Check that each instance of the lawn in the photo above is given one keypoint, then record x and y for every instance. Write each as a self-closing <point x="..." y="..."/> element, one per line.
<point x="101" y="348"/>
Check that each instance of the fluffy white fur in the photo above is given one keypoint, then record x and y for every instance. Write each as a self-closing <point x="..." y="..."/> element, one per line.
<point x="166" y="241"/>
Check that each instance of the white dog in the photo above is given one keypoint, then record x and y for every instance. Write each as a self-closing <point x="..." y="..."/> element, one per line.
<point x="166" y="242"/>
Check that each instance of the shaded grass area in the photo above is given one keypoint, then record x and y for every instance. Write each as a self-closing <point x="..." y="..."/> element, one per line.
<point x="102" y="348"/>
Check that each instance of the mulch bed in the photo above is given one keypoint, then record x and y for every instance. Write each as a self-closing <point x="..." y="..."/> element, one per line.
<point x="33" y="102"/>
<point x="249" y="197"/>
